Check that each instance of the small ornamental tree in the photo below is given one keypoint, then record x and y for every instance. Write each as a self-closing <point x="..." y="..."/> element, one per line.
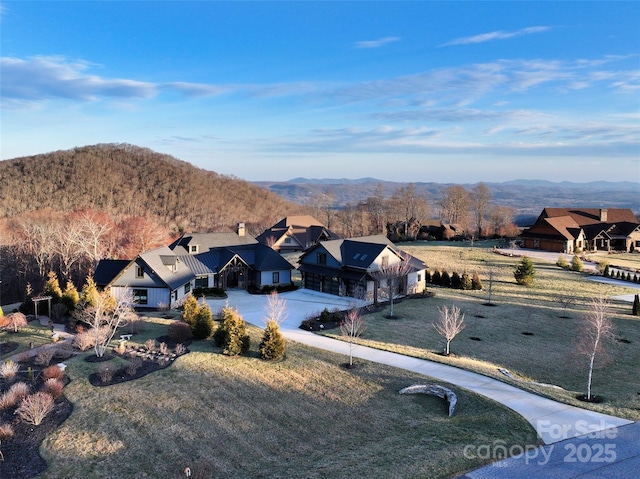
<point x="272" y="346"/>
<point x="451" y="322"/>
<point x="476" y="284"/>
<point x="28" y="306"/>
<point x="636" y="305"/>
<point x="16" y="321"/>
<point x="562" y="262"/>
<point x="352" y="327"/>
<point x="70" y="296"/>
<point x="577" y="264"/>
<point x="234" y="337"/>
<point x="203" y="326"/>
<point x="524" y="272"/>
<point x="455" y="280"/>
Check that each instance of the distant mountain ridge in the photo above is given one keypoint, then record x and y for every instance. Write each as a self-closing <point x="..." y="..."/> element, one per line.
<point x="526" y="197"/>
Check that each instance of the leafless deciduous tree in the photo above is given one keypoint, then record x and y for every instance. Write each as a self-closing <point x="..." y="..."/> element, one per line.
<point x="391" y="279"/>
<point x="596" y="330"/>
<point x="449" y="325"/>
<point x="480" y="202"/>
<point x="106" y="316"/>
<point x="276" y="308"/>
<point x="454" y="204"/>
<point x="565" y="300"/>
<point x="351" y="328"/>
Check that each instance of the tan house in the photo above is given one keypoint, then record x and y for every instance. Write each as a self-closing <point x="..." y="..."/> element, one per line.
<point x="572" y="230"/>
<point x="296" y="233"/>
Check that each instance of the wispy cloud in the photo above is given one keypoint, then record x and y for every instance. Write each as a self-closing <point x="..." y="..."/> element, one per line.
<point x="41" y="78"/>
<point x="376" y="43"/>
<point x="497" y="35"/>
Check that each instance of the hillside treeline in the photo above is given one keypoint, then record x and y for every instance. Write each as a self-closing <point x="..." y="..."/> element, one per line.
<point x="128" y="181"/>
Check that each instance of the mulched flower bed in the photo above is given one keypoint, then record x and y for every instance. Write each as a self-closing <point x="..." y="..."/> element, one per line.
<point x="21" y="453"/>
<point x="8" y="347"/>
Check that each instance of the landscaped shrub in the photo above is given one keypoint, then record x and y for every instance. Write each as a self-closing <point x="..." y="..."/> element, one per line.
<point x="619" y="274"/>
<point x="437" y="278"/>
<point x="33" y="409"/>
<point x="70" y="296"/>
<point x="180" y="349"/>
<point x="44" y="356"/>
<point x="203" y="326"/>
<point x="455" y="280"/>
<point x="476" y="283"/>
<point x="150" y="345"/>
<point x="445" y="280"/>
<point x="190" y="309"/>
<point x="105" y="371"/>
<point x="58" y="312"/>
<point x="53" y="387"/>
<point x="233" y="336"/>
<point x="52" y="372"/>
<point x="84" y="340"/>
<point x="52" y="288"/>
<point x="636" y="305"/>
<point x="524" y="272"/>
<point x="9" y="369"/>
<point x="179" y="331"/>
<point x="132" y="366"/>
<point x="562" y="262"/>
<point x="427" y="277"/>
<point x="576" y="264"/>
<point x="16" y="321"/>
<point x="272" y="346"/>
<point x="466" y="282"/>
<point x="6" y="432"/>
<point x="14" y="395"/>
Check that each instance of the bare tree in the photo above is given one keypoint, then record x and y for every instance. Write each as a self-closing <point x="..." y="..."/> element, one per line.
<point x="107" y="315"/>
<point x="565" y="300"/>
<point x="480" y="202"/>
<point x="449" y="325"/>
<point x="454" y="204"/>
<point x="391" y="279"/>
<point x="351" y="328"/>
<point x="596" y="329"/>
<point x="276" y="308"/>
<point x="377" y="208"/>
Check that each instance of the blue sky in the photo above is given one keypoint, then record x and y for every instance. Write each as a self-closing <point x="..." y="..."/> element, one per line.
<point x="455" y="92"/>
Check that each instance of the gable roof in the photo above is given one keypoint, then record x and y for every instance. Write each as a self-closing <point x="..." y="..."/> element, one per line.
<point x="108" y="269"/>
<point x="587" y="216"/>
<point x="158" y="259"/>
<point x="299" y="220"/>
<point x="206" y="241"/>
<point x="305" y="230"/>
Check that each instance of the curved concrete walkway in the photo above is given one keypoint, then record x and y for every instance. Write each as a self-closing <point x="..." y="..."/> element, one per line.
<point x="553" y="421"/>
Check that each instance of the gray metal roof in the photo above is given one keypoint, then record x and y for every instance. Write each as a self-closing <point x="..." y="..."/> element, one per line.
<point x="156" y="260"/>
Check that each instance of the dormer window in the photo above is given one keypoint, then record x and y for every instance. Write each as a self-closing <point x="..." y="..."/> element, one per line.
<point x="321" y="258"/>
<point x="193" y="248"/>
<point x="287" y="240"/>
<point x="139" y="271"/>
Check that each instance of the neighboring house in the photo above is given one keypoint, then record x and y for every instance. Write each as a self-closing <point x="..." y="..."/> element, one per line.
<point x="567" y="230"/>
<point x="164" y="276"/>
<point x="348" y="267"/>
<point x="158" y="278"/>
<point x="434" y="229"/>
<point x="296" y="233"/>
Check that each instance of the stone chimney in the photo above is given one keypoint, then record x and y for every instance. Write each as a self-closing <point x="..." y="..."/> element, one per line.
<point x="603" y="215"/>
<point x="241" y="229"/>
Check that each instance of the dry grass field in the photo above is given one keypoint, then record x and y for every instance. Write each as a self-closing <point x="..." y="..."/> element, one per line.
<point x="306" y="416"/>
<point x="545" y="354"/>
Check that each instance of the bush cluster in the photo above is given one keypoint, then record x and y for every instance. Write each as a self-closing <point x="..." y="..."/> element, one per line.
<point x="232" y="335"/>
<point x="456" y="280"/>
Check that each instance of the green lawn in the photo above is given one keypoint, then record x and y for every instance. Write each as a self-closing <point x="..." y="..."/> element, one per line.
<point x="306" y="416"/>
<point x="545" y="355"/>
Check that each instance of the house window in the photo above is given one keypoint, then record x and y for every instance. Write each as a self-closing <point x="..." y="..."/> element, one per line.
<point x="321" y="258"/>
<point x="139" y="271"/>
<point x="193" y="248"/>
<point x="187" y="288"/>
<point x="275" y="278"/>
<point x="385" y="261"/>
<point x="419" y="277"/>
<point x="140" y="296"/>
<point x="287" y="240"/>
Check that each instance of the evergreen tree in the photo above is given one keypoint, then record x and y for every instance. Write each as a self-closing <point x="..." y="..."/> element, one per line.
<point x="427" y="277"/>
<point x="89" y="294"/>
<point x="52" y="288"/>
<point x="28" y="306"/>
<point x="606" y="273"/>
<point x="618" y="275"/>
<point x="636" y="305"/>
<point x="236" y="340"/>
<point x="455" y="280"/>
<point x="628" y="278"/>
<point x="524" y="272"/>
<point x="466" y="282"/>
<point x="562" y="262"/>
<point x="475" y="282"/>
<point x="190" y="309"/>
<point x="446" y="279"/>
<point x="203" y="325"/>
<point x="437" y="278"/>
<point x="70" y="296"/>
<point x="272" y="346"/>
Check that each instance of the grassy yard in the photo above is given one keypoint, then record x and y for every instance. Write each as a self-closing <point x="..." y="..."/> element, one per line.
<point x="306" y="416"/>
<point x="33" y="334"/>
<point x="546" y="354"/>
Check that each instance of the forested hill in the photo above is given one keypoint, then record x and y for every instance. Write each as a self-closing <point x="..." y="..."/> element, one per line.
<point x="125" y="180"/>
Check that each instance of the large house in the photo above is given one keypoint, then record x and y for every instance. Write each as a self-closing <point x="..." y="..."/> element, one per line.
<point x="352" y="267"/>
<point x="568" y="230"/>
<point x="296" y="233"/>
<point x="164" y="276"/>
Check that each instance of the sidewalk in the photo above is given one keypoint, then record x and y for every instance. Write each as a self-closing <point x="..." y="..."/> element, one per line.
<point x="554" y="421"/>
